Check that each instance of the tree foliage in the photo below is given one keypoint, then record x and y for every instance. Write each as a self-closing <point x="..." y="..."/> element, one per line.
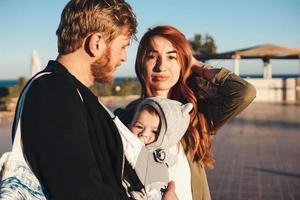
<point x="129" y="86"/>
<point x="203" y="45"/>
<point x="7" y="94"/>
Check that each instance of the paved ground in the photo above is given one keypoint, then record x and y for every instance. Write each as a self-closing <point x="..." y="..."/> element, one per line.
<point x="5" y="134"/>
<point x="257" y="154"/>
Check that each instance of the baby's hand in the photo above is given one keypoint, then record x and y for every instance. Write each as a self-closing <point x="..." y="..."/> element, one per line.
<point x="170" y="193"/>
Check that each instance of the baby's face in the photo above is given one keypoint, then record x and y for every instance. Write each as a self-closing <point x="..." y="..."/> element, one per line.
<point x="146" y="127"/>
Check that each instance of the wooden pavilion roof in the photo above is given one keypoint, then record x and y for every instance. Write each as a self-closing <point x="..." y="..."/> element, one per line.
<point x="257" y="52"/>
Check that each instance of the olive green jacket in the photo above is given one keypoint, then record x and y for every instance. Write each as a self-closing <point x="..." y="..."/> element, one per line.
<point x="220" y="99"/>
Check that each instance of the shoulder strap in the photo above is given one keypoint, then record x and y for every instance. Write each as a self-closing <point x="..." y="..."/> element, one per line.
<point x="112" y="115"/>
<point x="17" y="144"/>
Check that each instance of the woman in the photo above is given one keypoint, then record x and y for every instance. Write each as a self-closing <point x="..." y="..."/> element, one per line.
<point x="165" y="67"/>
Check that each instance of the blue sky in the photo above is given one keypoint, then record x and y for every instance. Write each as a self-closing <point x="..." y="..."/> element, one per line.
<point x="234" y="24"/>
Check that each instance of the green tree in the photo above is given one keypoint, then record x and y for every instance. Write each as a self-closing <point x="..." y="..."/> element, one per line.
<point x="11" y="93"/>
<point x="129" y="86"/>
<point x="203" y="46"/>
<point x="16" y="90"/>
<point x="4" y="91"/>
<point x="209" y="46"/>
<point x="196" y="44"/>
<point x="102" y="89"/>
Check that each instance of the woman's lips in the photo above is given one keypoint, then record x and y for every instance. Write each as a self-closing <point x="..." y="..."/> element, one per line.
<point x="159" y="78"/>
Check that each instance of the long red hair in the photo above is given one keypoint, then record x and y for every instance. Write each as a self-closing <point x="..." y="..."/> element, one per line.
<point x="197" y="138"/>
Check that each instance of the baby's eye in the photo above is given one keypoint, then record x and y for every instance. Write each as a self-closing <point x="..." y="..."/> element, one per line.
<point x="155" y="132"/>
<point x="138" y="126"/>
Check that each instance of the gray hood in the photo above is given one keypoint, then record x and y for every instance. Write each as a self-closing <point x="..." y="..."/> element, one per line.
<point x="174" y="119"/>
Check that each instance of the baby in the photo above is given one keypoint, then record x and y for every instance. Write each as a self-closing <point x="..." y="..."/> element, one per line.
<point x="159" y="123"/>
<point x="146" y="124"/>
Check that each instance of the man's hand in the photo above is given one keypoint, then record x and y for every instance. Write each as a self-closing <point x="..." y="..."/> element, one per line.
<point x="170" y="193"/>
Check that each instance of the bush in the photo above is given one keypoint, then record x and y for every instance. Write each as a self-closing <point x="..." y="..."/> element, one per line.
<point x="7" y="94"/>
<point x="129" y="86"/>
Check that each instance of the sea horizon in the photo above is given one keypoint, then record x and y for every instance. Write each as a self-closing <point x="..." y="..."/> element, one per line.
<point x="13" y="82"/>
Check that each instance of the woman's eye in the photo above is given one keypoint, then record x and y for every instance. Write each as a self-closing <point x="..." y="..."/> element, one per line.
<point x="172" y="57"/>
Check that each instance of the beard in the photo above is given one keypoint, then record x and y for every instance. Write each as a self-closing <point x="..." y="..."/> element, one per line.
<point x="101" y="69"/>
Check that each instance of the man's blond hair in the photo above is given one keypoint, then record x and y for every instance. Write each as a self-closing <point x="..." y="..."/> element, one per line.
<point x="81" y="18"/>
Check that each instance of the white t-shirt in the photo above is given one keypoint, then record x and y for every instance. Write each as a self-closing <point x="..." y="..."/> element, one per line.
<point x="180" y="173"/>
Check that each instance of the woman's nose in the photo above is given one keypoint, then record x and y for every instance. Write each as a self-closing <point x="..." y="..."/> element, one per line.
<point x="159" y="65"/>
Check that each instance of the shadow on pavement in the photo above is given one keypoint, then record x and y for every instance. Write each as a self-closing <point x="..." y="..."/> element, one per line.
<point x="267" y="123"/>
<point x="271" y="171"/>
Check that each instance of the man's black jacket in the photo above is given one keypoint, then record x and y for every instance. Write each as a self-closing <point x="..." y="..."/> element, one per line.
<point x="71" y="144"/>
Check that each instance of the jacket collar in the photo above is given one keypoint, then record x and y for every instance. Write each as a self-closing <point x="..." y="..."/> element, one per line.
<point x="57" y="67"/>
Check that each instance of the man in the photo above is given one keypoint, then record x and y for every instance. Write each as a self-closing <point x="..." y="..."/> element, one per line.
<point x="69" y="140"/>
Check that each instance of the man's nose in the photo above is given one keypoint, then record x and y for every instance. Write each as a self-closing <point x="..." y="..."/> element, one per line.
<point x="124" y="57"/>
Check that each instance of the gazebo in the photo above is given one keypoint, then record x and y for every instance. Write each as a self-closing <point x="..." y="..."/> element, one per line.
<point x="264" y="52"/>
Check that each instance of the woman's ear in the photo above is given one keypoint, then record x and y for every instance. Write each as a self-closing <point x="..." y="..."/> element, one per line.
<point x="96" y="44"/>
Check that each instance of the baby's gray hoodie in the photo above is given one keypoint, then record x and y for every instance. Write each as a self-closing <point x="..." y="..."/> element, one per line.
<point x="154" y="159"/>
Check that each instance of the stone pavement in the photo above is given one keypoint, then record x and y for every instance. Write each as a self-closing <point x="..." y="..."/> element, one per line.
<point x="258" y="155"/>
<point x="5" y="133"/>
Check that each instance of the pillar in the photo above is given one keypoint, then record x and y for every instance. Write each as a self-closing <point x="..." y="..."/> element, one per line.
<point x="267" y="68"/>
<point x="236" y="67"/>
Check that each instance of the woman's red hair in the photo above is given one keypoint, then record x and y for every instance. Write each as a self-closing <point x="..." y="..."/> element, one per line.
<point x="197" y="138"/>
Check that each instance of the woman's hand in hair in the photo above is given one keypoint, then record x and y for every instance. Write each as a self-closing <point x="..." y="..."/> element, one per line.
<point x="204" y="70"/>
<point x="197" y="66"/>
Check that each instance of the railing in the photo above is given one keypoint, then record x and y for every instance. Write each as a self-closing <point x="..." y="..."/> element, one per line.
<point x="277" y="89"/>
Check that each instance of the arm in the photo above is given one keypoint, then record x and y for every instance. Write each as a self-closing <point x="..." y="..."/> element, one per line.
<point x="132" y="145"/>
<point x="56" y="142"/>
<point x="221" y="94"/>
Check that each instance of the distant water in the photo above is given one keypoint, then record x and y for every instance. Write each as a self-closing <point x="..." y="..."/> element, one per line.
<point x="7" y="83"/>
<point x="122" y="79"/>
<point x="273" y="75"/>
